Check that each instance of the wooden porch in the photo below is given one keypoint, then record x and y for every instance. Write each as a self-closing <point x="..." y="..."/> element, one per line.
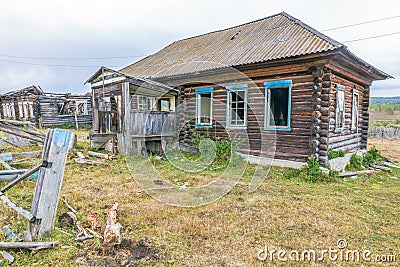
<point x="148" y="131"/>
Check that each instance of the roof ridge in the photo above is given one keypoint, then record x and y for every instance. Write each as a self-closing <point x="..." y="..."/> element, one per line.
<point x="312" y="30"/>
<point x="229" y="28"/>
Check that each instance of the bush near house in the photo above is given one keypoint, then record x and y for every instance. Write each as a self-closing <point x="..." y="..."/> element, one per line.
<point x="333" y="154"/>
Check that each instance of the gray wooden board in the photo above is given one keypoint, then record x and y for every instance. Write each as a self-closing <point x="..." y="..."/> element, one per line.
<point x="48" y="187"/>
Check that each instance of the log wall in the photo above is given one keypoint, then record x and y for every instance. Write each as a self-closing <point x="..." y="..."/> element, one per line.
<point x="47" y="111"/>
<point x="288" y="145"/>
<point x="348" y="138"/>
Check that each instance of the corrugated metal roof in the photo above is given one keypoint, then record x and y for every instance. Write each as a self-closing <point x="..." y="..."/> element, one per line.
<point x="275" y="37"/>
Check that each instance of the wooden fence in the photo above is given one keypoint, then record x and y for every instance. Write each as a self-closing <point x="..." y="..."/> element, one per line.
<point x="384" y="132"/>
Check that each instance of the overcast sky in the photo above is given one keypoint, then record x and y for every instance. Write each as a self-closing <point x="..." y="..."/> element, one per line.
<point x="57" y="44"/>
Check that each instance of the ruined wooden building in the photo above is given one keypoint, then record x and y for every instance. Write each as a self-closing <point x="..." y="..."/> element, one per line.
<point x="281" y="81"/>
<point x="46" y="109"/>
<point x="123" y="103"/>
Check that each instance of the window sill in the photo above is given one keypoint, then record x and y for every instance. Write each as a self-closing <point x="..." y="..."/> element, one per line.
<point x="287" y="129"/>
<point x="203" y="126"/>
<point x="236" y="127"/>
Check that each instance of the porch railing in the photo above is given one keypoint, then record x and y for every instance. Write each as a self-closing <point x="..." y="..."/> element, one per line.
<point x="152" y="123"/>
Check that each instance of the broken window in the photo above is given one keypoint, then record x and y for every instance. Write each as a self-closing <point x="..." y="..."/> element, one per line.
<point x="340" y="108"/>
<point x="68" y="107"/>
<point x="20" y="110"/>
<point x="7" y="110"/>
<point x="142" y="102"/>
<point x="354" y="115"/>
<point x="237" y="106"/>
<point x="26" y="109"/>
<point x="165" y="105"/>
<point x="31" y="113"/>
<point x="81" y="107"/>
<point x="277" y="101"/>
<point x="204" y="107"/>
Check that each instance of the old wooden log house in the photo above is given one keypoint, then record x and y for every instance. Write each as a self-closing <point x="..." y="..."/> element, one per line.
<point x="46" y="109"/>
<point x="276" y="78"/>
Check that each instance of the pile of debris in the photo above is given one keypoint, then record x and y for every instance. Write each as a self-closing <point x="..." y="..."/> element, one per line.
<point x="19" y="134"/>
<point x="383" y="165"/>
<point x="113" y="250"/>
<point x="81" y="158"/>
<point x="50" y="172"/>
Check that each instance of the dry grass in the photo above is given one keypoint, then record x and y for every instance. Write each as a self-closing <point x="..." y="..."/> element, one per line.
<point x="383" y="116"/>
<point x="283" y="213"/>
<point x="389" y="148"/>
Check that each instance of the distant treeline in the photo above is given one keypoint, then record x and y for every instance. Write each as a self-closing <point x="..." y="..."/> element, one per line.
<point x="385" y="100"/>
<point x="384" y="108"/>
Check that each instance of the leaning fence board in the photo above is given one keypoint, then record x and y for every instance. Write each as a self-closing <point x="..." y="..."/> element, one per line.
<point x="18" y="209"/>
<point x="48" y="187"/>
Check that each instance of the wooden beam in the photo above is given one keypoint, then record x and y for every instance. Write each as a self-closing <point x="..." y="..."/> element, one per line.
<point x="28" y="245"/>
<point x="18" y="209"/>
<point x="48" y="187"/>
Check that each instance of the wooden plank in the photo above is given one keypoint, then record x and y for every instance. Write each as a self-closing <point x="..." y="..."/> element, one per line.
<point x="47" y="191"/>
<point x="18" y="209"/>
<point x="20" y="178"/>
<point x="12" y="155"/>
<point x="28" y="245"/>
<point x="347" y="174"/>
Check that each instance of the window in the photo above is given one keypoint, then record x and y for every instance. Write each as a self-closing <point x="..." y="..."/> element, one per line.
<point x="277" y="105"/>
<point x="5" y="110"/>
<point x="339" y="108"/>
<point x="236" y="106"/>
<point x="21" y="112"/>
<point x="25" y="107"/>
<point x="165" y="105"/>
<point x="354" y="110"/>
<point x="31" y="110"/>
<point x="142" y="102"/>
<point x="12" y="110"/>
<point x="81" y="108"/>
<point x="204" y="107"/>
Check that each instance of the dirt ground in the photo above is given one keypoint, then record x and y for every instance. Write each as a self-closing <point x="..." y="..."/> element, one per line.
<point x="389" y="148"/>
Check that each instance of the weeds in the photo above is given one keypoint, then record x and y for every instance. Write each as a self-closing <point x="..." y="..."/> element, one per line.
<point x="223" y="146"/>
<point x="372" y="156"/>
<point x="356" y="163"/>
<point x="312" y="173"/>
<point x="333" y="154"/>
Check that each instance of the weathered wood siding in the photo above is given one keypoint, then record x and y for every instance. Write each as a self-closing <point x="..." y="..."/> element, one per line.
<point x="348" y="138"/>
<point x="290" y="145"/>
<point x="152" y="123"/>
<point x="47" y="111"/>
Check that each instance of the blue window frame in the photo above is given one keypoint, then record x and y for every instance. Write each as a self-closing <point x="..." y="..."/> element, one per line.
<point x="278" y="105"/>
<point x="340" y="108"/>
<point x="236" y="106"/>
<point x="204" y="110"/>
